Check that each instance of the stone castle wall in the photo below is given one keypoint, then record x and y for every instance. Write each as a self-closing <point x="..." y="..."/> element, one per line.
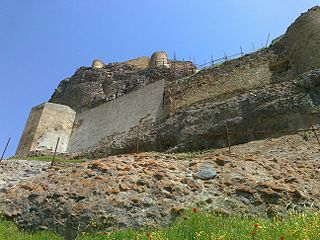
<point x="117" y="116"/>
<point x="45" y="124"/>
<point x="85" y="130"/>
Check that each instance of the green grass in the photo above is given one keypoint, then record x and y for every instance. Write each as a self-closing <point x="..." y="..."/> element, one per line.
<point x="207" y="226"/>
<point x="49" y="159"/>
<point x="204" y="226"/>
<point x="9" y="231"/>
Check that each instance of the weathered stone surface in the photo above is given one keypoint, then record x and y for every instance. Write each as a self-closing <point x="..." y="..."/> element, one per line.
<point x="149" y="189"/>
<point x="46" y="123"/>
<point x="15" y="171"/>
<point x="300" y="43"/>
<point x="206" y="172"/>
<point x="90" y="87"/>
<point x="120" y="115"/>
<point x="275" y="107"/>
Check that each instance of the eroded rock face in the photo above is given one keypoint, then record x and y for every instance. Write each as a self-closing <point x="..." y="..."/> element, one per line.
<point x="90" y="87"/>
<point x="299" y="46"/>
<point x="276" y="107"/>
<point x="150" y="189"/>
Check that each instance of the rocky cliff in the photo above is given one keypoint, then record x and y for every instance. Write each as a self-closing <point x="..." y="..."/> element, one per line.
<point x="274" y="89"/>
<point x="90" y="87"/>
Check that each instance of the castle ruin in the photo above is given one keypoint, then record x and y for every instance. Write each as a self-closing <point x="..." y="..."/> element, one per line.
<point x="170" y="106"/>
<point x="79" y="132"/>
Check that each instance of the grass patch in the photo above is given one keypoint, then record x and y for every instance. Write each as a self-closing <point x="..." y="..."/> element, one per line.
<point x="49" y="159"/>
<point x="9" y="231"/>
<point x="206" y="226"/>
<point x="199" y="225"/>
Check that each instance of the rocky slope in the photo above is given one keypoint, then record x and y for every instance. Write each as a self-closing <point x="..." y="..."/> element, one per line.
<point x="150" y="189"/>
<point x="13" y="172"/>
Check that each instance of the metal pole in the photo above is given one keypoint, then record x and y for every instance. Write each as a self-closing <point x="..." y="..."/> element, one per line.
<point x="5" y="149"/>
<point x="314" y="131"/>
<point x="138" y="136"/>
<point x="253" y="47"/>
<point x="174" y="64"/>
<point x="228" y="139"/>
<point x="225" y="57"/>
<point x="268" y="40"/>
<point x="55" y="151"/>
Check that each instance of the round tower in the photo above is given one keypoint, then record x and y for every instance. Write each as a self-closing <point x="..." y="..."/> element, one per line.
<point x="97" y="64"/>
<point x="159" y="59"/>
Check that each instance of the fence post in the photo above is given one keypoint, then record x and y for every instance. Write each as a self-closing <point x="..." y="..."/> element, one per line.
<point x="241" y="51"/>
<point x="5" y="149"/>
<point x="55" y="152"/>
<point x="268" y="40"/>
<point x="314" y="131"/>
<point x="138" y="136"/>
<point x="253" y="47"/>
<point x="174" y="64"/>
<point x="225" y="57"/>
<point x="227" y="135"/>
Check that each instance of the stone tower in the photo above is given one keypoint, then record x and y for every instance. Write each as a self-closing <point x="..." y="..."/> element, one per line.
<point x="159" y="59"/>
<point x="97" y="64"/>
<point x="46" y="123"/>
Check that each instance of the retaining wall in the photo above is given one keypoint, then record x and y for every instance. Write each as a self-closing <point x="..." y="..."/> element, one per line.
<point x="117" y="116"/>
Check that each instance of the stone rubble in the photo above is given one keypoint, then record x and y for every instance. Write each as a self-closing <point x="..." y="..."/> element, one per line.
<point x="150" y="189"/>
<point x="15" y="171"/>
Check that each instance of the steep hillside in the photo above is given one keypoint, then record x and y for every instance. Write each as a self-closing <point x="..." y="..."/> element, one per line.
<point x="150" y="189"/>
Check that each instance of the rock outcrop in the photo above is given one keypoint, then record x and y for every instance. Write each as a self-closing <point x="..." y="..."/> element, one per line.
<point x="16" y="171"/>
<point x="300" y="43"/>
<point x="276" y="109"/>
<point x="93" y="86"/>
<point x="150" y="189"/>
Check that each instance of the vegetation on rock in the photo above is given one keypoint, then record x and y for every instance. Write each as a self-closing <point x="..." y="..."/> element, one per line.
<point x="195" y="224"/>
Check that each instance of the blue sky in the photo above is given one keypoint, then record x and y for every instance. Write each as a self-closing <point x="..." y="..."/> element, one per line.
<point x="45" y="41"/>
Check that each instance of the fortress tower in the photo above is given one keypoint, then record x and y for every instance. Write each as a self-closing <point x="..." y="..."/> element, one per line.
<point x="97" y="63"/>
<point x="45" y="124"/>
<point x="159" y="59"/>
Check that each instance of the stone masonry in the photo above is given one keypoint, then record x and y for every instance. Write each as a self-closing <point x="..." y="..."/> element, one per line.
<point x="45" y="124"/>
